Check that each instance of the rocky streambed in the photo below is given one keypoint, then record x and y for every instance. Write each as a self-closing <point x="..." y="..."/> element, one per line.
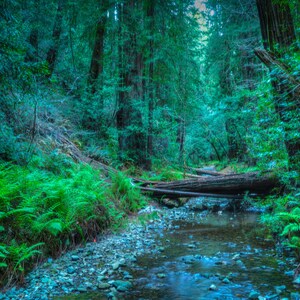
<point x="184" y="253"/>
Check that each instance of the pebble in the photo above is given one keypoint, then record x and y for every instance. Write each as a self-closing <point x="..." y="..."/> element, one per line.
<point x="74" y="257"/>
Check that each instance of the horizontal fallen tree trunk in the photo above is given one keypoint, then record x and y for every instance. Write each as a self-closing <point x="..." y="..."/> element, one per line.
<point x="181" y="194"/>
<point x="207" y="172"/>
<point x="237" y="184"/>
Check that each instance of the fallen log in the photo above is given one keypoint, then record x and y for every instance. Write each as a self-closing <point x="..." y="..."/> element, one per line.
<point x="207" y="172"/>
<point x="178" y="194"/>
<point x="228" y="184"/>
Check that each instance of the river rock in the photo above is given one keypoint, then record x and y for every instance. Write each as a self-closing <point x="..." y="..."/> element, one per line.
<point x="280" y="288"/>
<point x="253" y="295"/>
<point x="103" y="285"/>
<point x="122" y="286"/>
<point x="295" y="296"/>
<point x="212" y="287"/>
<point x="71" y="270"/>
<point x="115" y="265"/>
<point x="226" y="280"/>
<point x="189" y="259"/>
<point x="74" y="257"/>
<point x="297" y="280"/>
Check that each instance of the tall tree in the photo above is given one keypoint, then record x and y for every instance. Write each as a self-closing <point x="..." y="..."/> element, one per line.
<point x="96" y="66"/>
<point x="279" y="40"/>
<point x="131" y="134"/>
<point x="57" y="29"/>
<point x="150" y="9"/>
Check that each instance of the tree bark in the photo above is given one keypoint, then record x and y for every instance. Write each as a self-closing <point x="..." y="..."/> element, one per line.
<point x="228" y="184"/>
<point x="57" y="29"/>
<point x="150" y="15"/>
<point x="131" y="135"/>
<point x="279" y="39"/>
<point x="96" y="66"/>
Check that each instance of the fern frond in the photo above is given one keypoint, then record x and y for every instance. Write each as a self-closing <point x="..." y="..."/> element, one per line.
<point x="290" y="229"/>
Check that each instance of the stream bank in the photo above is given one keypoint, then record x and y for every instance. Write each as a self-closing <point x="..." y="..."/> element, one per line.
<point x="182" y="254"/>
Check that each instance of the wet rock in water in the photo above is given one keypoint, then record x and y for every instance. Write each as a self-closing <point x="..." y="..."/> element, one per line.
<point x="289" y="273"/>
<point x="161" y="275"/>
<point x="219" y="263"/>
<point x="122" y="286"/>
<point x="236" y="256"/>
<point x="212" y="287"/>
<point x="295" y="296"/>
<point x="189" y="259"/>
<point x="209" y="203"/>
<point x="115" y="265"/>
<point x="81" y="289"/>
<point x="71" y="270"/>
<point x="74" y="257"/>
<point x="253" y="295"/>
<point x="226" y="280"/>
<point x="297" y="280"/>
<point x="103" y="285"/>
<point x="280" y="289"/>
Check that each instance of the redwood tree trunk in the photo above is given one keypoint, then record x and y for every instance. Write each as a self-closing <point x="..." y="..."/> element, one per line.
<point x="57" y="29"/>
<point x="131" y="135"/>
<point x="150" y="15"/>
<point x="279" y="39"/>
<point x="96" y="66"/>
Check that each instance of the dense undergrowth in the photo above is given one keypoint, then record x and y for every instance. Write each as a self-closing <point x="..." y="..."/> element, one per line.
<point x="46" y="211"/>
<point x="283" y="220"/>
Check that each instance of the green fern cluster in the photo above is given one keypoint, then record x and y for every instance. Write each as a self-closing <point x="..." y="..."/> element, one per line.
<point x="284" y="220"/>
<point x="125" y="193"/>
<point x="291" y="229"/>
<point x="43" y="213"/>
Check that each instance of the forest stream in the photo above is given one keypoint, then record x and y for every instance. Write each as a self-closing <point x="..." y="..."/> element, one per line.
<point x="183" y="254"/>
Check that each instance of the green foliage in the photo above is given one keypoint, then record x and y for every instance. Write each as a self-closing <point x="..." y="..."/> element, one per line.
<point x="163" y="174"/>
<point x="124" y="192"/>
<point x="284" y="220"/>
<point x="56" y="210"/>
<point x="291" y="230"/>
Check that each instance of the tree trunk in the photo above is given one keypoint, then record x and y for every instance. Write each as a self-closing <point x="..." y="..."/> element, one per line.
<point x="227" y="184"/>
<point x="279" y="39"/>
<point x="96" y="66"/>
<point x="131" y="136"/>
<point x="150" y="15"/>
<point x="32" y="52"/>
<point x="57" y="29"/>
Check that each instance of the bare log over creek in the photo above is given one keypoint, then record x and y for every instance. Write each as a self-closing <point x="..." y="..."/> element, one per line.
<point x="228" y="186"/>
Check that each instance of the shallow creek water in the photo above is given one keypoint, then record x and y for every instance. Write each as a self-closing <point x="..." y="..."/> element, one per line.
<point x="216" y="257"/>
